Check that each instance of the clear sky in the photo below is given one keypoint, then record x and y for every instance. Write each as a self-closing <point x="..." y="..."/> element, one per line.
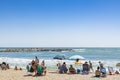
<point x="59" y="23"/>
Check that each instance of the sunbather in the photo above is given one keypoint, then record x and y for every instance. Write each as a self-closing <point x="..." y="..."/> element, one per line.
<point x="103" y="71"/>
<point x="63" y="68"/>
<point x="97" y="72"/>
<point x="85" y="68"/>
<point x="72" y="70"/>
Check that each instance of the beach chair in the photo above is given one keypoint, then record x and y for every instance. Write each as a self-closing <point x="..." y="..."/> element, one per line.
<point x="111" y="70"/>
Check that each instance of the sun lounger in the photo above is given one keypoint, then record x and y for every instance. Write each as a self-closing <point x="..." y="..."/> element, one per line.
<point x="111" y="71"/>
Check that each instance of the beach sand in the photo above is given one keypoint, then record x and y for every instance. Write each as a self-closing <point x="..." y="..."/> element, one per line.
<point x="12" y="74"/>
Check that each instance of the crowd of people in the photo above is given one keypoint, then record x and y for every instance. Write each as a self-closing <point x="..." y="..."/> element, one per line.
<point x="36" y="68"/>
<point x="39" y="68"/>
<point x="86" y="69"/>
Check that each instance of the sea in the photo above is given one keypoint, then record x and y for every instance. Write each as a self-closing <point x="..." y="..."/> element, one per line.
<point x="108" y="56"/>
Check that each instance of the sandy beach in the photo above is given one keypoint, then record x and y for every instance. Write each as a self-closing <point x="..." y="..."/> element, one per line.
<point x="12" y="74"/>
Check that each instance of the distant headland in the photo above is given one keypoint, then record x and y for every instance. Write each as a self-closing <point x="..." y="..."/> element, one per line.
<point x="35" y="49"/>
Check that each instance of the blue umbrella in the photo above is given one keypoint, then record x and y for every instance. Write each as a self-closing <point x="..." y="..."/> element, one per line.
<point x="60" y="57"/>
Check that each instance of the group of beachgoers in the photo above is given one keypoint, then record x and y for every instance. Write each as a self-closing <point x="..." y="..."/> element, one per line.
<point x="86" y="67"/>
<point x="62" y="68"/>
<point x="36" y="68"/>
<point x="39" y="69"/>
<point x="101" y="71"/>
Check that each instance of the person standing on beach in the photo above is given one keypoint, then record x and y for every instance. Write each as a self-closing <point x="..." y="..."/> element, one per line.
<point x="36" y="60"/>
<point x="90" y="66"/>
<point x="43" y="63"/>
<point x="100" y="64"/>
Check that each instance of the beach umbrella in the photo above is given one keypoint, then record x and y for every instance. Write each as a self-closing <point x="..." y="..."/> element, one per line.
<point x="60" y="57"/>
<point x="75" y="57"/>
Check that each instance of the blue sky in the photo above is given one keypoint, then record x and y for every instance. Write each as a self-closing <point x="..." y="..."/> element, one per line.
<point x="59" y="23"/>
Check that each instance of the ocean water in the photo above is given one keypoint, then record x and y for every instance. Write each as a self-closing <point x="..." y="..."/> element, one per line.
<point x="108" y="56"/>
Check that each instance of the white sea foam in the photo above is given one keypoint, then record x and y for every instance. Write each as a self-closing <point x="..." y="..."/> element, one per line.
<point x="51" y="63"/>
<point x="79" y="50"/>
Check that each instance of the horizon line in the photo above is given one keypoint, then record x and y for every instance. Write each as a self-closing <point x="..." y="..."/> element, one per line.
<point x="58" y="47"/>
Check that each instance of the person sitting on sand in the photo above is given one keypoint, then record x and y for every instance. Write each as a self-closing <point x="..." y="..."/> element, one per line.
<point x="28" y="67"/>
<point x="20" y="68"/>
<point x="97" y="72"/>
<point x="72" y="70"/>
<point x="33" y="66"/>
<point x="44" y="70"/>
<point x="86" y="68"/>
<point x="58" y="67"/>
<point x="117" y="72"/>
<point x="15" y="68"/>
<point x="63" y="68"/>
<point x="7" y="66"/>
<point x="103" y="71"/>
<point x="39" y="71"/>
<point x="3" y="66"/>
